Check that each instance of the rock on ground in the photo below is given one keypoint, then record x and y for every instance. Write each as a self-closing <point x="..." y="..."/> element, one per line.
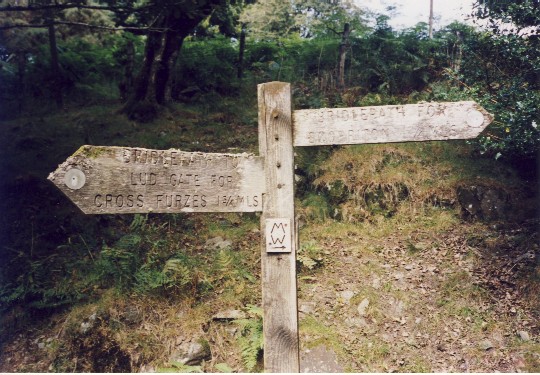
<point x="319" y="360"/>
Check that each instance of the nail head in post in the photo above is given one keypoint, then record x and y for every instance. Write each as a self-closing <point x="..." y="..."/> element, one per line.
<point x="278" y="164"/>
<point x="275" y="113"/>
<point x="74" y="179"/>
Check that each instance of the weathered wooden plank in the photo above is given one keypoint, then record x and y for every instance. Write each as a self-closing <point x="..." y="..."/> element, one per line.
<point x="106" y="180"/>
<point x="389" y="123"/>
<point x="278" y="268"/>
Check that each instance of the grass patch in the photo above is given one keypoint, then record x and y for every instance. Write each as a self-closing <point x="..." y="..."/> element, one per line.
<point x="315" y="333"/>
<point x="230" y="225"/>
<point x="373" y="355"/>
<point x="371" y="182"/>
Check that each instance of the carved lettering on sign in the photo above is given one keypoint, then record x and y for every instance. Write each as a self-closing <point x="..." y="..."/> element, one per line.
<point x="131" y="180"/>
<point x="391" y="123"/>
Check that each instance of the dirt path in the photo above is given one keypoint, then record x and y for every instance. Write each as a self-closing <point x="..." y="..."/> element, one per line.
<point x="458" y="301"/>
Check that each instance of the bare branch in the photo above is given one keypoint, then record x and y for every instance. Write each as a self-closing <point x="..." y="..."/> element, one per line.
<point x="331" y="29"/>
<point x="118" y="28"/>
<point x="82" y="24"/>
<point x="31" y="8"/>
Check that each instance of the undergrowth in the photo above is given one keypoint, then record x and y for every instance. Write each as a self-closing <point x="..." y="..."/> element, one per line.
<point x="359" y="183"/>
<point x="251" y="337"/>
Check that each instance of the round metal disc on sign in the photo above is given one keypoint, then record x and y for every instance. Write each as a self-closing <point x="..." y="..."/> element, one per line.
<point x="74" y="179"/>
<point x="475" y="118"/>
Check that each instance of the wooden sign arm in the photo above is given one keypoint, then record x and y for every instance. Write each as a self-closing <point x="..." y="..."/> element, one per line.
<point x="389" y="123"/>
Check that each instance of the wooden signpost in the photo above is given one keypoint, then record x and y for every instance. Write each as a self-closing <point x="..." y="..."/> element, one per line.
<point x="109" y="180"/>
<point x="278" y="269"/>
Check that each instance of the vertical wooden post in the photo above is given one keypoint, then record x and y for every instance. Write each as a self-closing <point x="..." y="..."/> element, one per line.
<point x="278" y="267"/>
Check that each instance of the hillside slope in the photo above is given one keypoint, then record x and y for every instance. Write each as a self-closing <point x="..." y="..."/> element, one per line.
<point x="407" y="263"/>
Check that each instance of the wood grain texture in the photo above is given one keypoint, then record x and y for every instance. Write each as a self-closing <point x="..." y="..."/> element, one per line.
<point x="107" y="180"/>
<point x="278" y="269"/>
<point x="389" y="123"/>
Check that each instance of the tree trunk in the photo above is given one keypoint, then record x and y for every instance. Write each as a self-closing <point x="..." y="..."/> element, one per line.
<point x="21" y="69"/>
<point x="242" y="47"/>
<point x="56" y="81"/>
<point x="172" y="43"/>
<point x="140" y="105"/>
<point x="343" y="46"/>
<point x="153" y="86"/>
<point x="153" y="43"/>
<point x="127" y="59"/>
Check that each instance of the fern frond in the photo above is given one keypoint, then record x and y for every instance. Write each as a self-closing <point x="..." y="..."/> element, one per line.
<point x="224" y="261"/>
<point x="255" y="310"/>
<point x="251" y="340"/>
<point x="139" y="221"/>
<point x="177" y="271"/>
<point x="250" y="353"/>
<point x="128" y="241"/>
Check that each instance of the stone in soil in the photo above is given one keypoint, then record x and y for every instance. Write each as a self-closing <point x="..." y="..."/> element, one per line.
<point x="362" y="307"/>
<point x="524" y="335"/>
<point x="319" y="360"/>
<point x="191" y="353"/>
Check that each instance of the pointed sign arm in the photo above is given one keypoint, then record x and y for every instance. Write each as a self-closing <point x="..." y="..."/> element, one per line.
<point x="119" y="180"/>
<point x="389" y="123"/>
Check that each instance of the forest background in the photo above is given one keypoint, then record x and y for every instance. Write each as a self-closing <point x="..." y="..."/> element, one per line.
<point x="183" y="74"/>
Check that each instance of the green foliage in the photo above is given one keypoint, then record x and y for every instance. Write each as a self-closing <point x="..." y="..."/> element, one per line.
<point x="251" y="337"/>
<point x="175" y="274"/>
<point x="384" y="63"/>
<point x="175" y="366"/>
<point x="38" y="282"/>
<point x="501" y="71"/>
<point x="521" y="14"/>
<point x="275" y="19"/>
<point x="498" y="69"/>
<point x="120" y="261"/>
<point x="310" y="255"/>
<point x="270" y="19"/>
<point x="134" y="262"/>
<point x="206" y="65"/>
<point x="231" y="272"/>
<point x="225" y="260"/>
<point x="224" y="368"/>
<point x="316" y="207"/>
<point x="395" y="63"/>
<point x="90" y="70"/>
<point x="139" y="222"/>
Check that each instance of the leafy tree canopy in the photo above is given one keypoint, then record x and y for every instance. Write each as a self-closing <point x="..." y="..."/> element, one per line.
<point x="271" y="19"/>
<point x="504" y="15"/>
